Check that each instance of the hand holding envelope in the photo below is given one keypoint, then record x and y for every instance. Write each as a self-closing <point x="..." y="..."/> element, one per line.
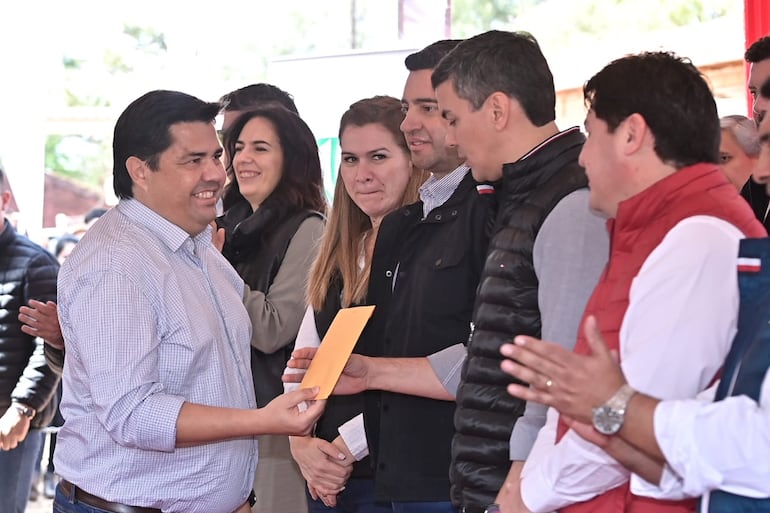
<point x="327" y="364"/>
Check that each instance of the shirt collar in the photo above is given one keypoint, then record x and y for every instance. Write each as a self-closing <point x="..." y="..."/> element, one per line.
<point x="172" y="235"/>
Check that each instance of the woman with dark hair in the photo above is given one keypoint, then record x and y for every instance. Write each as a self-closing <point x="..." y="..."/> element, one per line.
<point x="376" y="177"/>
<point x="273" y="220"/>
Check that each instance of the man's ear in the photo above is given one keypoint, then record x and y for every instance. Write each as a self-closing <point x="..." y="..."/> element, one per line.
<point x="137" y="170"/>
<point x="499" y="105"/>
<point x="636" y="133"/>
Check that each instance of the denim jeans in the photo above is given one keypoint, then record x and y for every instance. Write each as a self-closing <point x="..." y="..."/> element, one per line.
<point x="357" y="497"/>
<point x="16" y="469"/>
<point x="62" y="504"/>
<point x="424" y="507"/>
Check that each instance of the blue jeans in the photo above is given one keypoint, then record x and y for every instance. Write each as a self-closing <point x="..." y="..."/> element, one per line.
<point x="357" y="497"/>
<point x="63" y="504"/>
<point x="16" y="469"/>
<point x="424" y="507"/>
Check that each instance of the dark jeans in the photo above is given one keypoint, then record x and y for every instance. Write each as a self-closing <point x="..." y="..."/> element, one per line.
<point x="16" y="469"/>
<point x="424" y="507"/>
<point x="62" y="504"/>
<point x="357" y="497"/>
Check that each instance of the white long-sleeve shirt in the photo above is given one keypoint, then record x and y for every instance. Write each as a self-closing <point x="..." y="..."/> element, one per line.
<point x="681" y="318"/>
<point x="723" y="445"/>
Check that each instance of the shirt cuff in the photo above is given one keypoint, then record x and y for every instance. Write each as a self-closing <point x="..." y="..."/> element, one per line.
<point x="354" y="436"/>
<point x="447" y="365"/>
<point x="669" y="488"/>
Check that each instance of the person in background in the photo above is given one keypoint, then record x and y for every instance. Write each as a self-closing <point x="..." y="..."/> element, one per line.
<point x="158" y="400"/>
<point x="63" y="247"/>
<point x="27" y="384"/>
<point x="757" y="57"/>
<point x="254" y="95"/>
<point x="274" y="205"/>
<point x="376" y="177"/>
<point x="738" y="148"/>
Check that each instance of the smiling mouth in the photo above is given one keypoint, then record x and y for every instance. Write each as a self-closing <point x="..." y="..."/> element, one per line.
<point x="205" y="195"/>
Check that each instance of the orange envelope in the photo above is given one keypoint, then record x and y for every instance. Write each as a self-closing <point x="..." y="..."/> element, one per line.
<point x="335" y="349"/>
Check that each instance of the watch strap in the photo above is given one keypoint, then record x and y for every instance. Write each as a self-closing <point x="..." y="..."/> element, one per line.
<point x="619" y="399"/>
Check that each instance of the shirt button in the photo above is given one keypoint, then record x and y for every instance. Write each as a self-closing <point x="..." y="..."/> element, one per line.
<point x="438" y="217"/>
<point x="388" y="274"/>
<point x="454" y="213"/>
<point x="438" y="262"/>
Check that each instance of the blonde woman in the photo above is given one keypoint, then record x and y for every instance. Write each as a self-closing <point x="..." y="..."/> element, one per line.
<point x="376" y="177"/>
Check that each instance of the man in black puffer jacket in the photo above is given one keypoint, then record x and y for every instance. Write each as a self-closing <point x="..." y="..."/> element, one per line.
<point x="27" y="384"/>
<point x="545" y="256"/>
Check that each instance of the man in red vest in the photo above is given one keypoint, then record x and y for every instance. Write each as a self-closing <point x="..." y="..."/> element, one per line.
<point x="667" y="302"/>
<point x="705" y="446"/>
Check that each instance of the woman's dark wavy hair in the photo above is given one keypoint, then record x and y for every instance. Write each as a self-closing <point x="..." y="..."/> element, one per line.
<point x="301" y="183"/>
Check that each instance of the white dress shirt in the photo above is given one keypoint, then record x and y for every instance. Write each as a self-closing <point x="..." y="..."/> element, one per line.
<point x="682" y="316"/>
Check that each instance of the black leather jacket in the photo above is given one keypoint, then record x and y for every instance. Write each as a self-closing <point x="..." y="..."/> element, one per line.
<point x="27" y="271"/>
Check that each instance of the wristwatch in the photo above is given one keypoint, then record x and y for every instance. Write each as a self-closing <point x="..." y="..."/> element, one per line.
<point x="492" y="508"/>
<point x="608" y="418"/>
<point x="25" y="410"/>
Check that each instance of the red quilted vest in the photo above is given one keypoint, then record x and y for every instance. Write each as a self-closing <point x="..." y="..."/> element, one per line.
<point x="639" y="227"/>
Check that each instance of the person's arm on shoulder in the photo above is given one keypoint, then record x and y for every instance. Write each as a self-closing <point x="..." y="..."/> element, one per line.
<point x="276" y="315"/>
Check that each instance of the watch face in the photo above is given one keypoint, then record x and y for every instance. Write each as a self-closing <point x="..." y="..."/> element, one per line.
<point x="607" y="420"/>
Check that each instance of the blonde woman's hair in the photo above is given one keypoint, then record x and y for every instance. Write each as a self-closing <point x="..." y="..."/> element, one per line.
<point x="347" y="224"/>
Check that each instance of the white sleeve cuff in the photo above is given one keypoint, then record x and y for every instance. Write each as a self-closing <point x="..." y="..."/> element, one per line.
<point x="354" y="436"/>
<point x="670" y="487"/>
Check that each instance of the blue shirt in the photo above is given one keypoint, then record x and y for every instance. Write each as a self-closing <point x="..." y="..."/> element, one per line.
<point x="152" y="318"/>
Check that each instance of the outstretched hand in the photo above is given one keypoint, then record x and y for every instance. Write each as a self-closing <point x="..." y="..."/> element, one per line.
<point x="352" y="381"/>
<point x="42" y="320"/>
<point x="572" y="383"/>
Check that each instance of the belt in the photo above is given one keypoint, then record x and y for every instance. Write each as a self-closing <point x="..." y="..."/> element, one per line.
<point x="73" y="492"/>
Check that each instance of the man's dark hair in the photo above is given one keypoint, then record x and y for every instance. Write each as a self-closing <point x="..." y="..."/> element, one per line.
<point x="62" y="241"/>
<point x="255" y="95"/>
<point x="143" y="131"/>
<point x="431" y="55"/>
<point x="301" y="183"/>
<point x="670" y="94"/>
<point x="508" y="62"/>
<point x="94" y="213"/>
<point x="758" y="51"/>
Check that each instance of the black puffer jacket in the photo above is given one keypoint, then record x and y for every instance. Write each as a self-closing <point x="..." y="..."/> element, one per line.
<point x="27" y="271"/>
<point x="506" y="305"/>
